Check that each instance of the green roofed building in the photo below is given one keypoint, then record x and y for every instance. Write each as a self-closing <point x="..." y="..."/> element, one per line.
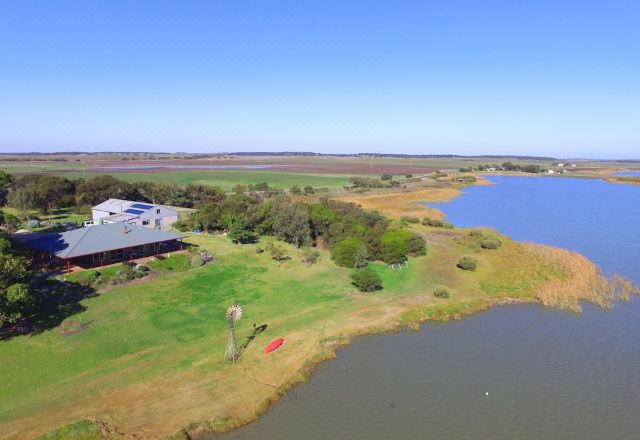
<point x="99" y="245"/>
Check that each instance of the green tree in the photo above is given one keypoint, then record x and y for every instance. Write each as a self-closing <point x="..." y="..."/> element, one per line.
<point x="45" y="192"/>
<point x="295" y="190"/>
<point x="15" y="294"/>
<point x="291" y="221"/>
<point x="386" y="177"/>
<point x="366" y="279"/>
<point x="361" y="258"/>
<point x="6" y="180"/>
<point x="396" y="244"/>
<point x="344" y="252"/>
<point x="308" y="190"/>
<point x="237" y="229"/>
<point x="100" y="188"/>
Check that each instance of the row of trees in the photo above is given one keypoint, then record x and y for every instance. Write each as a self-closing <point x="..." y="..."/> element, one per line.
<point x="354" y="235"/>
<point x="48" y="193"/>
<point x="507" y="166"/>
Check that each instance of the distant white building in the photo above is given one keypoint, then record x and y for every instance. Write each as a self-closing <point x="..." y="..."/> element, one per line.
<point x="550" y="172"/>
<point x="137" y="213"/>
<point x="573" y="165"/>
<point x="560" y="164"/>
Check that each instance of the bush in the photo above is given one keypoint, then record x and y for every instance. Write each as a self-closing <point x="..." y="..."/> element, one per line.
<point x="409" y="219"/>
<point x="467" y="263"/>
<point x="386" y="177"/>
<point x="490" y="243"/>
<point x="441" y="292"/>
<point x="475" y="233"/>
<point x="366" y="280"/>
<point x="344" y="252"/>
<point x="196" y="260"/>
<point x="396" y="244"/>
<point x="436" y="223"/>
<point x="308" y="190"/>
<point x="278" y="252"/>
<point x="295" y="190"/>
<point x="310" y="255"/>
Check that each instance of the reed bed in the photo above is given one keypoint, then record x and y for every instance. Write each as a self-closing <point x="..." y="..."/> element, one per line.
<point x="577" y="279"/>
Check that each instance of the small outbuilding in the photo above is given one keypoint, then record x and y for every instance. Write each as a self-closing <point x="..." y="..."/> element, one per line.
<point x="99" y="245"/>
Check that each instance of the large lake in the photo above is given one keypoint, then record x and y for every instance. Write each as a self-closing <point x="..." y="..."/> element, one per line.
<point x="549" y="374"/>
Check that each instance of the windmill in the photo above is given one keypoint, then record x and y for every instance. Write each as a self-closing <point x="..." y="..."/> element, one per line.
<point x="233" y="315"/>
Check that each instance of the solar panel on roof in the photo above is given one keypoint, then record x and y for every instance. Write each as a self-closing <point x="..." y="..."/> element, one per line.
<point x="133" y="211"/>
<point x="141" y="206"/>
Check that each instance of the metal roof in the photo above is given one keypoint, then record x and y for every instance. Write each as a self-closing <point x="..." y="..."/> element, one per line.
<point x="119" y="218"/>
<point x="114" y="205"/>
<point x="94" y="239"/>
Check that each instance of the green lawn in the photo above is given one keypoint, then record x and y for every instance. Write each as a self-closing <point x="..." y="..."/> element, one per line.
<point x="227" y="179"/>
<point x="160" y="342"/>
<point x="171" y="325"/>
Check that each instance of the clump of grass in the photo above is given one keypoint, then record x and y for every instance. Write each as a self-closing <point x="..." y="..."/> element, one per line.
<point x="441" y="292"/>
<point x="467" y="263"/>
<point x="490" y="243"/>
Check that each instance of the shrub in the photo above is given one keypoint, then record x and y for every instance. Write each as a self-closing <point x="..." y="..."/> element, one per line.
<point x="308" y="190"/>
<point x="436" y="223"/>
<point x="196" y="260"/>
<point x="295" y="189"/>
<point x="467" y="263"/>
<point x="408" y="176"/>
<point x="366" y="280"/>
<point x="278" y="252"/>
<point x="409" y="219"/>
<point x="441" y="292"/>
<point x="386" y="177"/>
<point x="475" y="233"/>
<point x="396" y="244"/>
<point x="344" y="252"/>
<point x="310" y="255"/>
<point x="490" y="243"/>
<point x="448" y="225"/>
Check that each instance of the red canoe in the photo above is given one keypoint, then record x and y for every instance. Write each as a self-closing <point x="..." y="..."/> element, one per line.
<point x="273" y="345"/>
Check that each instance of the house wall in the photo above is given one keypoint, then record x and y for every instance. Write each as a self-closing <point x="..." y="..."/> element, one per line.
<point x="121" y="255"/>
<point x="98" y="214"/>
<point x="166" y="217"/>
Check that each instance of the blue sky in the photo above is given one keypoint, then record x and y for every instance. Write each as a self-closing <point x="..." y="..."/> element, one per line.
<point x="558" y="78"/>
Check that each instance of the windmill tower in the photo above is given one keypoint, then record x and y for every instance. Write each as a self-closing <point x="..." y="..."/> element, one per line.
<point x="233" y="315"/>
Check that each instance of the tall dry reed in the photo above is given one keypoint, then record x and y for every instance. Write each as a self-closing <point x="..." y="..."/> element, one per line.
<point x="573" y="278"/>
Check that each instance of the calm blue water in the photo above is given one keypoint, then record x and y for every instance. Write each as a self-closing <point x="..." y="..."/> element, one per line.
<point x="549" y="374"/>
<point x="628" y="173"/>
<point x="593" y="217"/>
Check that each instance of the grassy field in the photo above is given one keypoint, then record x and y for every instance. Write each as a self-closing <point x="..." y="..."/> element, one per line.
<point x="227" y="179"/>
<point x="160" y="342"/>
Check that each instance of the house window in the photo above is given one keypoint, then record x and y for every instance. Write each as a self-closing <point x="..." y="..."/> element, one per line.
<point x="117" y="254"/>
<point x="158" y="211"/>
<point x="157" y="222"/>
<point x="96" y="258"/>
<point x="145" y="222"/>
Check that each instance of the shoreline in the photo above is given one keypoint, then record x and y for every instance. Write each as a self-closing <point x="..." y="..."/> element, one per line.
<point x="407" y="310"/>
